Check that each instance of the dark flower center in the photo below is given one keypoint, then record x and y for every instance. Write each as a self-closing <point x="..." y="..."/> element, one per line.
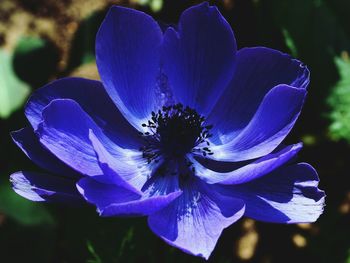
<point x="173" y="132"/>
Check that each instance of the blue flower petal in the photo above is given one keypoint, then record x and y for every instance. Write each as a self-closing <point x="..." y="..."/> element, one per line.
<point x="64" y="131"/>
<point x="92" y="97"/>
<point x="161" y="184"/>
<point x="27" y="141"/>
<point x="128" y="60"/>
<point x="125" y="168"/>
<point x="123" y="175"/>
<point x="113" y="200"/>
<point x="103" y="195"/>
<point x="41" y="187"/>
<point x="250" y="171"/>
<point x="144" y="206"/>
<point x="199" y="59"/>
<point x="258" y="70"/>
<point x="288" y="195"/>
<point x="271" y="123"/>
<point x="195" y="220"/>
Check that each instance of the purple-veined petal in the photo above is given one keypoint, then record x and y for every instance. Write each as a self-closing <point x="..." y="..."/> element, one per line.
<point x="113" y="200"/>
<point x="144" y="206"/>
<point x="128" y="60"/>
<point x="64" y="131"/>
<point x="199" y="59"/>
<point x="103" y="195"/>
<point x="125" y="168"/>
<point x="258" y="70"/>
<point x="271" y="123"/>
<point x="195" y="220"/>
<point x="40" y="187"/>
<point x="27" y="141"/>
<point x="248" y="172"/>
<point x="164" y="178"/>
<point x="94" y="100"/>
<point x="288" y="195"/>
<point x="160" y="184"/>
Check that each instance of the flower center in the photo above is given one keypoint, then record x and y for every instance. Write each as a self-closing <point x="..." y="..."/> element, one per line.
<point x="173" y="132"/>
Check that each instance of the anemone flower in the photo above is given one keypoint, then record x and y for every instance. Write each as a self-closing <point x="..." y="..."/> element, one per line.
<point x="183" y="129"/>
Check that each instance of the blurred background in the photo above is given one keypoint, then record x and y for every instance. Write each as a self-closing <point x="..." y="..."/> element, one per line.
<point x="41" y="40"/>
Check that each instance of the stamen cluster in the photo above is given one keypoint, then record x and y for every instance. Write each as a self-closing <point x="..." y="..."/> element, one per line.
<point x="173" y="132"/>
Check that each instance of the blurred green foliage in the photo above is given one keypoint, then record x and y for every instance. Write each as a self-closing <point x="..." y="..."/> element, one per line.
<point x="23" y="211"/>
<point x="13" y="91"/>
<point x="290" y="43"/>
<point x="96" y="258"/>
<point x="339" y="102"/>
<point x="29" y="44"/>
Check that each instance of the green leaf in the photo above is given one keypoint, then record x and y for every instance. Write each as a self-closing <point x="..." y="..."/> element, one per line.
<point x="348" y="259"/>
<point x="290" y="42"/>
<point x="96" y="257"/>
<point x="13" y="91"/>
<point x="23" y="211"/>
<point x="339" y="101"/>
<point x="126" y="240"/>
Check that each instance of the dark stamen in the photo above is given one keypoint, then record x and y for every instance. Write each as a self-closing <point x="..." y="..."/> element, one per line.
<point x="173" y="132"/>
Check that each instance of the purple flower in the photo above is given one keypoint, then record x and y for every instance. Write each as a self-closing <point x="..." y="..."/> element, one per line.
<point x="183" y="129"/>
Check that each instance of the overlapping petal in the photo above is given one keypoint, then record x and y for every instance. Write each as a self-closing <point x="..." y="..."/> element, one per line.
<point x="195" y="220"/>
<point x="258" y="70"/>
<point x="248" y="172"/>
<point x="93" y="99"/>
<point x="124" y="168"/>
<point x="114" y="200"/>
<point x="41" y="187"/>
<point x="161" y="182"/>
<point x="199" y="58"/>
<point x="115" y="192"/>
<point x="287" y="195"/>
<point x="27" y="141"/>
<point x="64" y="131"/>
<point x="271" y="123"/>
<point x="127" y="56"/>
<point x="103" y="195"/>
